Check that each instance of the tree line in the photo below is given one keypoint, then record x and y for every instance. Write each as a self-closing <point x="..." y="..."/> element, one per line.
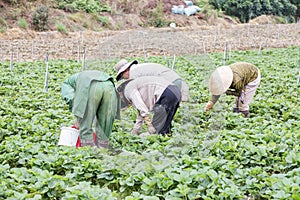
<point x="249" y="9"/>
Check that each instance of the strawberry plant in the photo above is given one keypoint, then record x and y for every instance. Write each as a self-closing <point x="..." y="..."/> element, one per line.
<point x="209" y="155"/>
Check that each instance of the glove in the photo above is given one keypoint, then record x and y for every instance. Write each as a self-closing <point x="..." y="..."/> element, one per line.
<point x="209" y="105"/>
<point x="134" y="132"/>
<point x="150" y="127"/>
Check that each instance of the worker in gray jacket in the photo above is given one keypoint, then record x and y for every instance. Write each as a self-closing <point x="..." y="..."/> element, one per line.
<point x="133" y="69"/>
<point x="151" y="94"/>
<point x="92" y="95"/>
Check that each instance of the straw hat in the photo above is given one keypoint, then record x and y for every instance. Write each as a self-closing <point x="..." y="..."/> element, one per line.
<point x="220" y="80"/>
<point x="122" y="65"/>
<point x="121" y="88"/>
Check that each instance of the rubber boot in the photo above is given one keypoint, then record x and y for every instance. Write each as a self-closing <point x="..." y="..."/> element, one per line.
<point x="87" y="143"/>
<point x="246" y="113"/>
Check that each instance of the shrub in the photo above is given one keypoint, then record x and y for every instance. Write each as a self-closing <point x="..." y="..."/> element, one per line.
<point x="3" y="25"/>
<point x="22" y="23"/>
<point x="156" y="16"/>
<point x="89" y="6"/>
<point x="246" y="10"/>
<point x="40" y="18"/>
<point x="12" y="1"/>
<point x="61" y="28"/>
<point x="103" y="20"/>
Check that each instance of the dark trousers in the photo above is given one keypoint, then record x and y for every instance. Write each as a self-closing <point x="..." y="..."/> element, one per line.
<point x="165" y="109"/>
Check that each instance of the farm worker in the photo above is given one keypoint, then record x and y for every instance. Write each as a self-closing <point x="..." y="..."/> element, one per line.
<point x="151" y="95"/>
<point x="240" y="79"/>
<point x="92" y="95"/>
<point x="132" y="70"/>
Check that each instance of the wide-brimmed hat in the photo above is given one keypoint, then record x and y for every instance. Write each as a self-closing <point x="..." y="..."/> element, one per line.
<point x="220" y="80"/>
<point x="121" y="88"/>
<point x="122" y="65"/>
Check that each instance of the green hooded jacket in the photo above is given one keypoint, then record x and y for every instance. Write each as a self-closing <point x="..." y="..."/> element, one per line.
<point x="75" y="90"/>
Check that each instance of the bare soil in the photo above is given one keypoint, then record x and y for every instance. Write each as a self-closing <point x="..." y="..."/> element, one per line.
<point x="105" y="45"/>
<point x="128" y="34"/>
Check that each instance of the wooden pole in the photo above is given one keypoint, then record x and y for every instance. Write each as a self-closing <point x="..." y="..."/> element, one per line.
<point x="12" y="59"/>
<point x="46" y="74"/>
<point x="83" y="59"/>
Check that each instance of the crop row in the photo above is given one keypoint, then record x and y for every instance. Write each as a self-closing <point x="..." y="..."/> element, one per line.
<point x="216" y="155"/>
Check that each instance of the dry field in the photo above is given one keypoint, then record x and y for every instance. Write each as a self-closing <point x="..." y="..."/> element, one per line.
<point x="26" y="46"/>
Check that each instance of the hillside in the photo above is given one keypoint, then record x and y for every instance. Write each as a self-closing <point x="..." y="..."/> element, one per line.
<point x="129" y="14"/>
<point x="68" y="33"/>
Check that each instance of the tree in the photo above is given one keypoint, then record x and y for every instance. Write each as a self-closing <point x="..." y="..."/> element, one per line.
<point x="246" y="9"/>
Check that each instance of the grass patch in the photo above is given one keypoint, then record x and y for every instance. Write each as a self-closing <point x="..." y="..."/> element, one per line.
<point x="22" y="23"/>
<point x="61" y="28"/>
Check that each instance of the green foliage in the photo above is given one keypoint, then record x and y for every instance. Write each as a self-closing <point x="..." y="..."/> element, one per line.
<point x="103" y="20"/>
<point x="89" y="6"/>
<point x="12" y="1"/>
<point x="216" y="155"/>
<point x="61" y="28"/>
<point x="297" y="4"/>
<point x="201" y="3"/>
<point x="246" y="10"/>
<point x="3" y="25"/>
<point x="156" y="17"/>
<point x="40" y="18"/>
<point x="22" y="23"/>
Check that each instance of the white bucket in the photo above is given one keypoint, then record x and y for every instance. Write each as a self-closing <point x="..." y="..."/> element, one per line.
<point x="68" y="136"/>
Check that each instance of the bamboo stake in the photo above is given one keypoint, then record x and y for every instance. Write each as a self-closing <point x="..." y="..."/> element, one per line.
<point x="225" y="53"/>
<point x="11" y="59"/>
<point x="78" y="51"/>
<point x="32" y="49"/>
<point x="83" y="59"/>
<point x="1" y="54"/>
<point x="107" y="45"/>
<point x="18" y="54"/>
<point x="144" y="48"/>
<point x="165" y="57"/>
<point x="46" y="74"/>
<point x="174" y="57"/>
<point x="203" y="45"/>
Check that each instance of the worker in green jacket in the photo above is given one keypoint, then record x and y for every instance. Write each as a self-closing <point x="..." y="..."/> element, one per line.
<point x="240" y="79"/>
<point x="92" y="95"/>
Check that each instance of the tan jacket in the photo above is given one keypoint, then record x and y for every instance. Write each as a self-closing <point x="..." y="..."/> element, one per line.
<point x="143" y="93"/>
<point x="154" y="69"/>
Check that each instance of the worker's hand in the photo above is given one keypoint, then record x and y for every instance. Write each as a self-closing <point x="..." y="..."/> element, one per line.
<point x="209" y="106"/>
<point x="134" y="131"/>
<point x="76" y="124"/>
<point x="150" y="127"/>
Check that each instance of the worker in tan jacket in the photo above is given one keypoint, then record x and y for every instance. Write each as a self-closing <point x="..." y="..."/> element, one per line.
<point x="133" y="69"/>
<point x="240" y="79"/>
<point x="151" y="95"/>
